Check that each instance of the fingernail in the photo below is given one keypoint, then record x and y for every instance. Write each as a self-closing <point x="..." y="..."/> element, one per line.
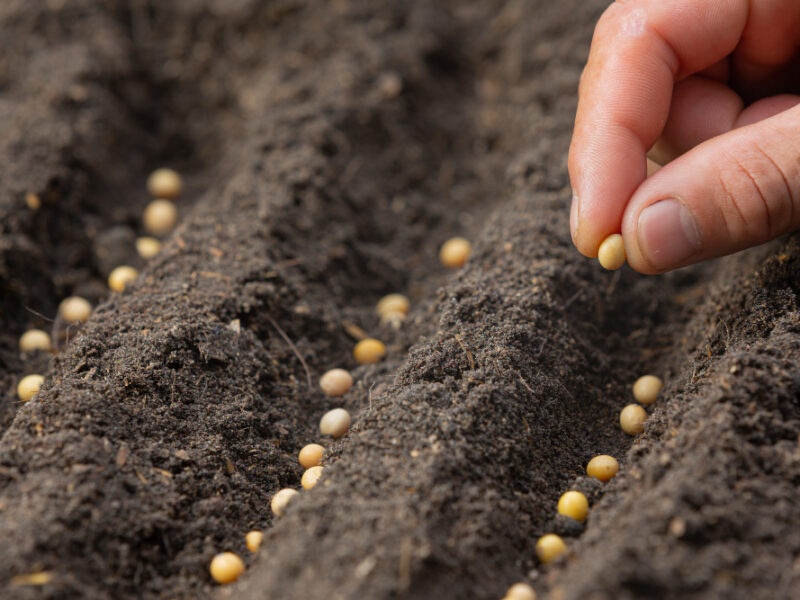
<point x="668" y="234"/>
<point x="573" y="217"/>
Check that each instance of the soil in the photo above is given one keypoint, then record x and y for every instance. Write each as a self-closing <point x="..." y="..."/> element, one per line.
<point x="329" y="147"/>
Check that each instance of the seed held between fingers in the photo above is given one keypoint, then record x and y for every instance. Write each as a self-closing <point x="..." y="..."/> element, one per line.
<point x="28" y="387"/>
<point x="646" y="389"/>
<point x="310" y="455"/>
<point x="574" y="505"/>
<point x="611" y="253"/>
<point x="281" y="499"/>
<point x="335" y="423"/>
<point x="602" y="467"/>
<point x="226" y="567"/>
<point x="310" y="477"/>
<point x="632" y="419"/>
<point x="549" y="547"/>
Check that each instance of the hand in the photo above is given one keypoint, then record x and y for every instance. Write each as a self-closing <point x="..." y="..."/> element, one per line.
<point x="698" y="84"/>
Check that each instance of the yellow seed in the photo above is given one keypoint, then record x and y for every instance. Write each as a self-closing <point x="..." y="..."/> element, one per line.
<point x="226" y="567"/>
<point x="335" y="423"/>
<point x="310" y="477"/>
<point x="520" y="591"/>
<point x="455" y="252"/>
<point x="310" y="455"/>
<point x="164" y="183"/>
<point x="147" y="247"/>
<point x="550" y="547"/>
<point x="632" y="419"/>
<point x="612" y="252"/>
<point x="393" y="303"/>
<point x="393" y="319"/>
<point x="33" y="201"/>
<point x="120" y="277"/>
<point x="369" y="351"/>
<point x="75" y="310"/>
<point x="602" y="467"/>
<point x="253" y="540"/>
<point x="646" y="389"/>
<point x="160" y="217"/>
<point x="28" y="386"/>
<point x="281" y="499"/>
<point x="336" y="382"/>
<point x="574" y="505"/>
<point x="35" y="339"/>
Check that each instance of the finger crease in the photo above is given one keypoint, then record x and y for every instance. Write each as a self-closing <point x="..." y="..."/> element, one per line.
<point x="788" y="187"/>
<point x="761" y="195"/>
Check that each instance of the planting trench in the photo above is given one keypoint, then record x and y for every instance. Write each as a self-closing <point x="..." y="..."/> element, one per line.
<point x="329" y="148"/>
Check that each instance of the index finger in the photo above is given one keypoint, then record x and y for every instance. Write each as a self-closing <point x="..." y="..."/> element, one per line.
<point x="639" y="50"/>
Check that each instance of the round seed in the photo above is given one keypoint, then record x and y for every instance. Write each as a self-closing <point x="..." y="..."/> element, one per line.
<point x="164" y="183"/>
<point x="520" y="591"/>
<point x="646" y="389"/>
<point x="574" y="505"/>
<point x="336" y="382"/>
<point x="393" y="303"/>
<point x="310" y="477"/>
<point x="612" y="252"/>
<point x="226" y="567"/>
<point x="28" y="386"/>
<point x="120" y="277"/>
<point x="335" y="423"/>
<point x="550" y="547"/>
<point x="310" y="455"/>
<point x="602" y="467"/>
<point x="35" y="339"/>
<point x="147" y="247"/>
<point x="160" y="217"/>
<point x="281" y="499"/>
<point x="253" y="540"/>
<point x="455" y="252"/>
<point x="632" y="419"/>
<point x="75" y="310"/>
<point x="369" y="351"/>
<point x="393" y="319"/>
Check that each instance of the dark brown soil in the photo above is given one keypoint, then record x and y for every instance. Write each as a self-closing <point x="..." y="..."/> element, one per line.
<point x="329" y="147"/>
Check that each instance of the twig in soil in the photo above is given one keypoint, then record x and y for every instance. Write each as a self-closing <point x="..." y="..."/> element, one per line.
<point x="293" y="347"/>
<point x="613" y="284"/>
<point x="370" y="395"/>
<point x="467" y="352"/>
<point x="404" y="568"/>
<point x="38" y="314"/>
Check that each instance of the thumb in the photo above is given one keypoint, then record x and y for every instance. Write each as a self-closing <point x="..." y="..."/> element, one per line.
<point x="734" y="191"/>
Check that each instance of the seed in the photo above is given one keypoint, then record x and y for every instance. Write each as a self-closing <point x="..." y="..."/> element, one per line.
<point x="226" y="567"/>
<point x="369" y="351"/>
<point x="336" y="382"/>
<point x="28" y="386"/>
<point x="549" y="547"/>
<point x="148" y="247"/>
<point x="120" y="277"/>
<point x="310" y="455"/>
<point x="35" y="339"/>
<point x="393" y="319"/>
<point x="632" y="419"/>
<point x="75" y="310"/>
<point x="253" y="540"/>
<point x="646" y="389"/>
<point x="164" y="183"/>
<point x="393" y="303"/>
<point x="612" y="252"/>
<point x="160" y="217"/>
<point x="455" y="252"/>
<point x="574" y="505"/>
<point x="335" y="423"/>
<point x="281" y="499"/>
<point x="310" y="477"/>
<point x="520" y="591"/>
<point x="33" y="201"/>
<point x="602" y="467"/>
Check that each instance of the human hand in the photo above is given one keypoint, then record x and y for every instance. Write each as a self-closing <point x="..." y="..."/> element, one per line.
<point x="698" y="83"/>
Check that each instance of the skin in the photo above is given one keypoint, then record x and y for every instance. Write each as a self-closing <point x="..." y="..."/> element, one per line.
<point x="706" y="87"/>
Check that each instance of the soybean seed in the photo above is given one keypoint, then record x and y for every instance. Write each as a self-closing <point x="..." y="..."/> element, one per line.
<point x="310" y="477"/>
<point x="455" y="252"/>
<point x="75" y="310"/>
<point x="164" y="183"/>
<point x="611" y="253"/>
<point x="646" y="389"/>
<point x="369" y="351"/>
<point x="35" y="339"/>
<point x="310" y="455"/>
<point x="550" y="547"/>
<point x="602" y="467"/>
<point x="281" y="499"/>
<point x="226" y="567"/>
<point x="336" y="382"/>
<point x="28" y="386"/>
<point x="335" y="423"/>
<point x="393" y="303"/>
<point x="147" y="247"/>
<point x="253" y="540"/>
<point x="121" y="276"/>
<point x="632" y="419"/>
<point x="574" y="505"/>
<point x="520" y="591"/>
<point x="160" y="217"/>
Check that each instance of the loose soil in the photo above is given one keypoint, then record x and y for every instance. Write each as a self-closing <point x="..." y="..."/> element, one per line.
<point x="329" y="147"/>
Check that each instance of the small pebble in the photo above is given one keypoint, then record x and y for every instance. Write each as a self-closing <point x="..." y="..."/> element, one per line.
<point x="369" y="351"/>
<point x="612" y="252"/>
<point x="281" y="499"/>
<point x="35" y="339"/>
<point x="164" y="183"/>
<point x="455" y="252"/>
<point x="253" y="540"/>
<point x="28" y="386"/>
<point x="147" y="247"/>
<point x="520" y="591"/>
<point x="310" y="477"/>
<point x="336" y="382"/>
<point x="550" y="547"/>
<point x="335" y="423"/>
<point x="160" y="217"/>
<point x="75" y="310"/>
<point x="632" y="419"/>
<point x="393" y="303"/>
<point x="574" y="505"/>
<point x="226" y="567"/>
<point x="120" y="277"/>
<point x="310" y="455"/>
<point x="602" y="467"/>
<point x="646" y="389"/>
